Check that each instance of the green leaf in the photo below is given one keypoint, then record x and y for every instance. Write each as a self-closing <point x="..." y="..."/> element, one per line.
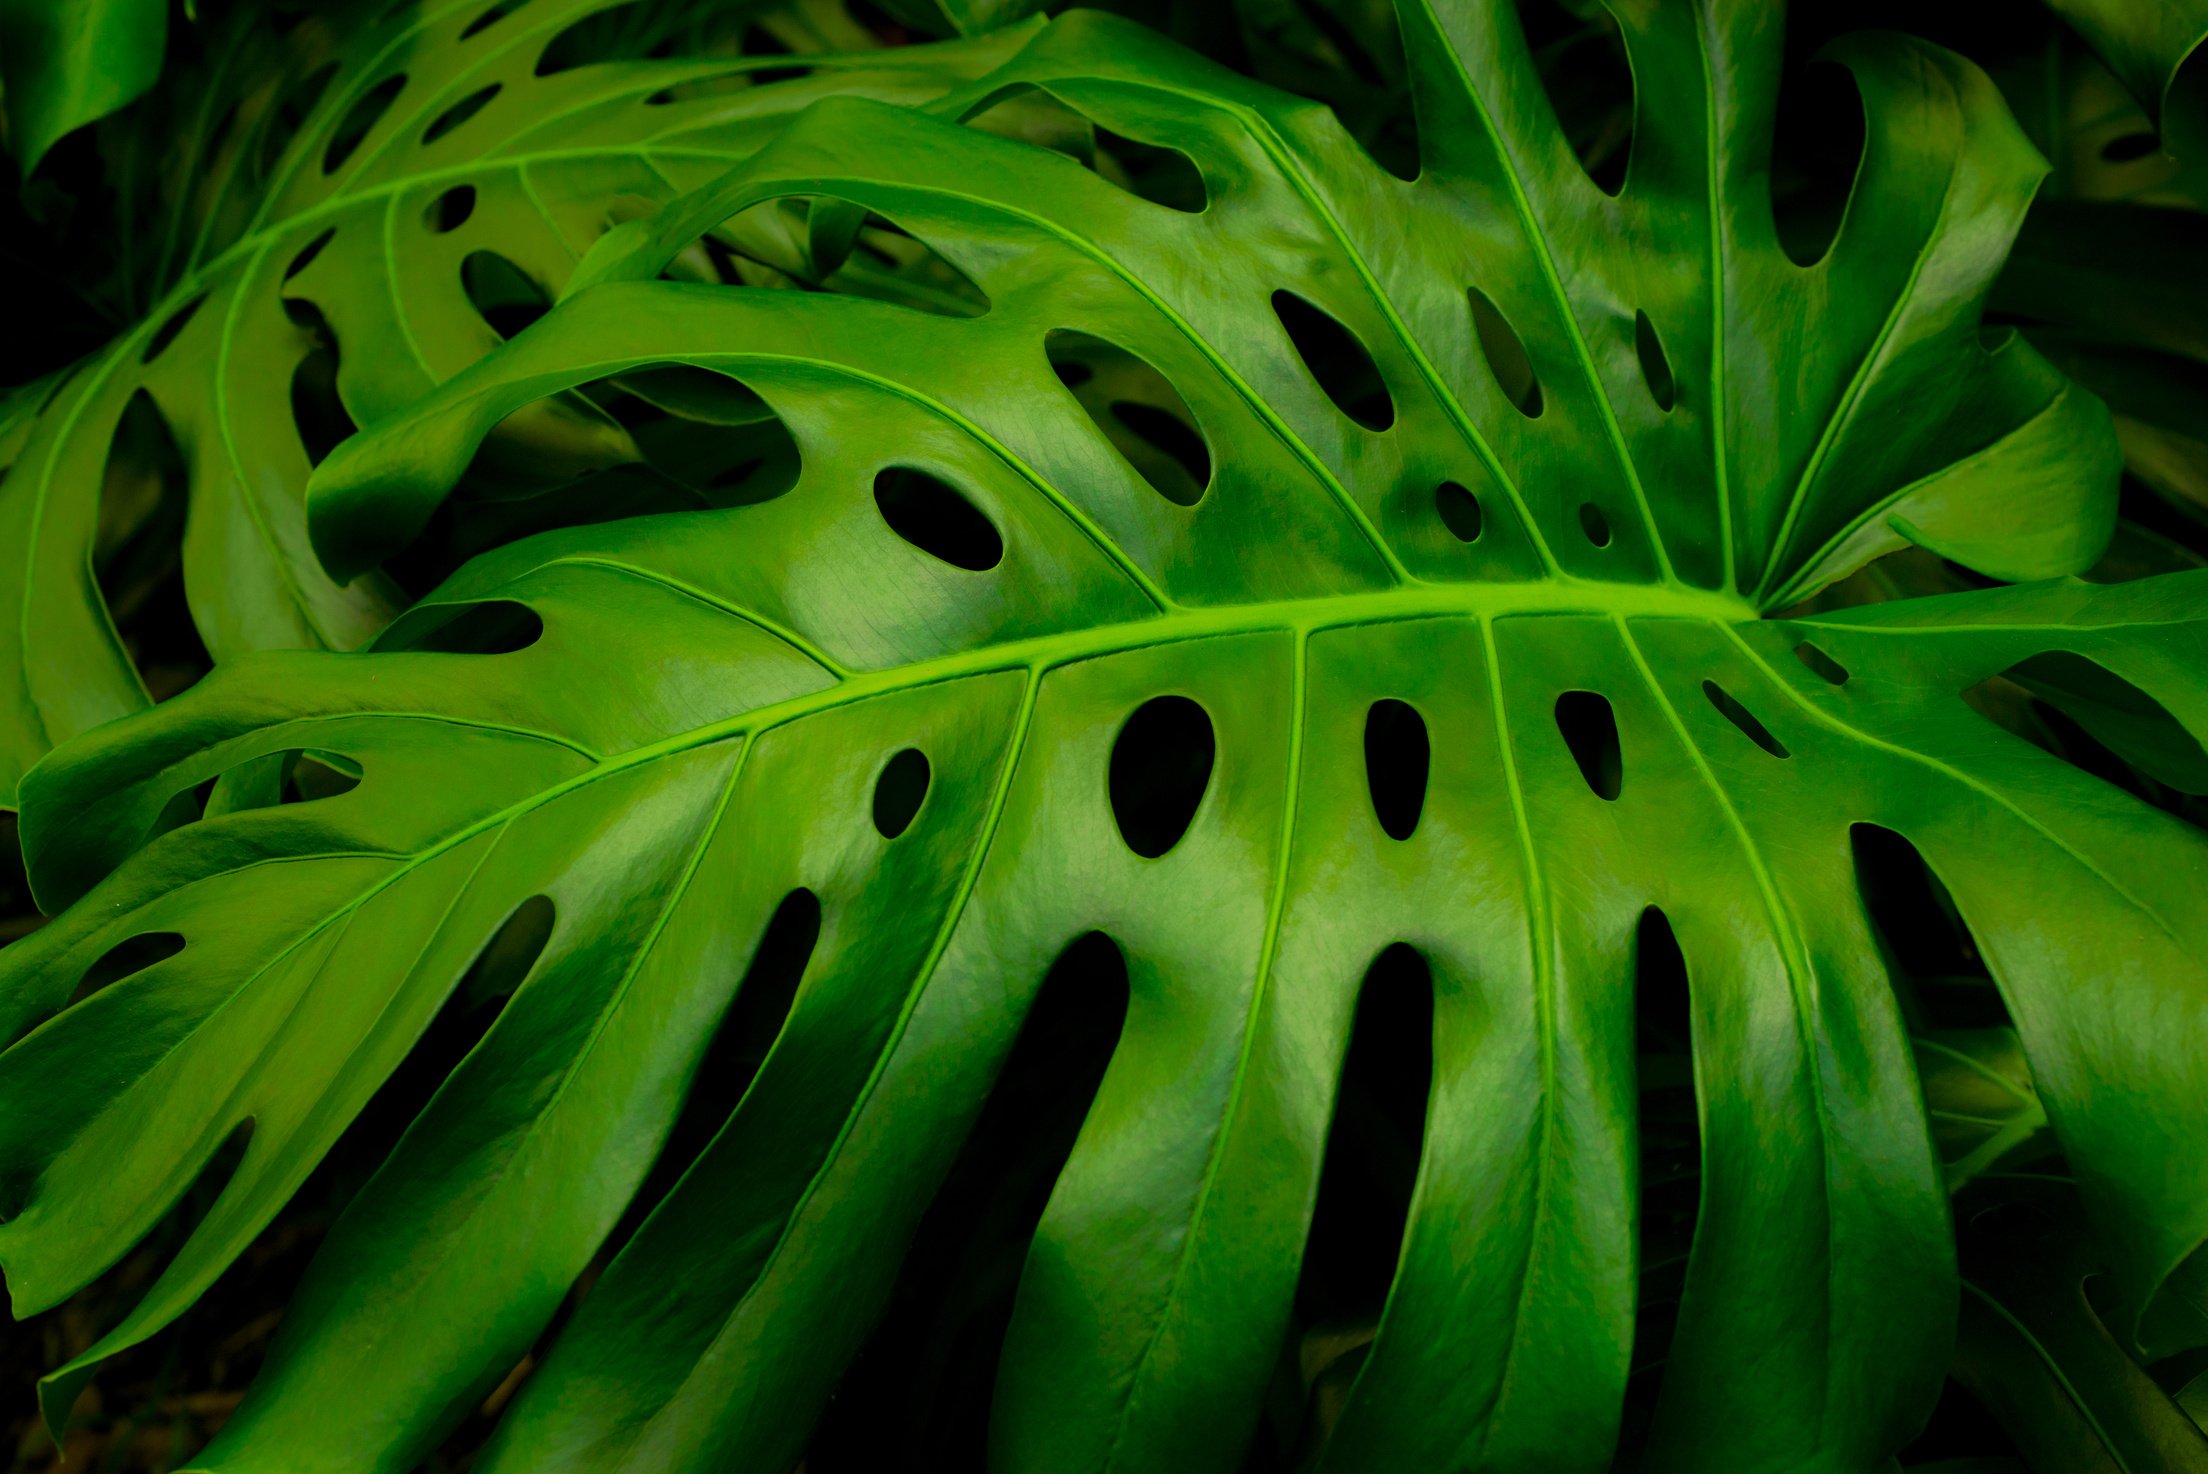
<point x="337" y="207"/>
<point x="692" y="720"/>
<point x="65" y="63"/>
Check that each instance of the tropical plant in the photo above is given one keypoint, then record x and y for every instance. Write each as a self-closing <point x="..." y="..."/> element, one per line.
<point x="1137" y="546"/>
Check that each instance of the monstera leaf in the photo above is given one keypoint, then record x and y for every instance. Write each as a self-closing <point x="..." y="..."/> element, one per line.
<point x="461" y="157"/>
<point x="1269" y="580"/>
<point x="67" y="62"/>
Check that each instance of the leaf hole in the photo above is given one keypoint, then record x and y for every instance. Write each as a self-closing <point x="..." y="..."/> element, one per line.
<point x="1397" y="757"/>
<point x="1590" y="730"/>
<point x="899" y="791"/>
<point x="1160" y="767"/>
<point x="2129" y="146"/>
<point x="489" y="627"/>
<point x="507" y="298"/>
<point x="1740" y="716"/>
<point x="167" y="333"/>
<point x="1505" y="353"/>
<point x="144" y="500"/>
<point x="1138" y="410"/>
<point x="1579" y="55"/>
<point x="459" y="113"/>
<point x="1828" y="670"/>
<point x="2094" y="719"/>
<point x="1671" y="1138"/>
<point x="1459" y="510"/>
<point x="935" y="518"/>
<point x="1337" y="361"/>
<point x="1940" y="975"/>
<point x="491" y="17"/>
<point x="317" y="411"/>
<point x="759" y="41"/>
<point x="126" y="958"/>
<point x="637" y="31"/>
<point x="1594" y="524"/>
<point x="926" y="1376"/>
<point x="510" y="955"/>
<point x="450" y="210"/>
<point x="1655" y="366"/>
<point x="1367" y="1172"/>
<point x="1817" y="153"/>
<point x="308" y="252"/>
<point x="1161" y="175"/>
<point x="360" y="120"/>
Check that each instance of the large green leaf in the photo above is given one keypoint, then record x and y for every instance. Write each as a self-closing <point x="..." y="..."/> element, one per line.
<point x="703" y="721"/>
<point x="2155" y="47"/>
<point x="425" y="139"/>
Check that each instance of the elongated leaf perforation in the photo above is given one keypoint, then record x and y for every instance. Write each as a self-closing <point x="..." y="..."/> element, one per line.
<point x="317" y="413"/>
<point x="486" y="627"/>
<point x="1162" y="175"/>
<point x="1580" y="58"/>
<point x="935" y="517"/>
<point x="1818" y="149"/>
<point x="1670" y="1137"/>
<point x="459" y="113"/>
<point x="1505" y="354"/>
<point x="126" y="958"/>
<point x="1594" y="525"/>
<point x="1589" y="727"/>
<point x="1160" y="770"/>
<point x="1655" y="363"/>
<point x="1828" y="670"/>
<point x="899" y="791"/>
<point x="360" y="120"/>
<point x="306" y="253"/>
<point x="1137" y="408"/>
<point x="2089" y="716"/>
<point x="450" y="210"/>
<point x="490" y="17"/>
<point x="1939" y="973"/>
<point x="171" y="326"/>
<point x="1398" y="755"/>
<point x="1459" y="511"/>
<point x="1342" y="366"/>
<point x="1730" y="707"/>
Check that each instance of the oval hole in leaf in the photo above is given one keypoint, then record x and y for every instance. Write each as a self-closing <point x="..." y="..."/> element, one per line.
<point x="962" y="1267"/>
<point x="1460" y="511"/>
<point x="491" y="627"/>
<point x="1161" y="765"/>
<point x="932" y="516"/>
<point x="2126" y="147"/>
<point x="1740" y="716"/>
<point x="131" y="955"/>
<point x="511" y="954"/>
<point x="1817" y="152"/>
<point x="1163" y="176"/>
<point x="1941" y="975"/>
<point x="360" y="120"/>
<point x="1370" y="1165"/>
<point x="1337" y="361"/>
<point x="1831" y="671"/>
<point x="748" y="1029"/>
<point x="1594" y="524"/>
<point x="308" y="252"/>
<point x="1655" y="366"/>
<point x="1397" y="757"/>
<point x="1506" y="355"/>
<point x="491" y="17"/>
<point x="1139" y="411"/>
<point x="1581" y="61"/>
<point x="166" y="334"/>
<point x="450" y="210"/>
<point x="1590" y="731"/>
<point x="460" y="112"/>
<point x="503" y="295"/>
<point x="898" y="792"/>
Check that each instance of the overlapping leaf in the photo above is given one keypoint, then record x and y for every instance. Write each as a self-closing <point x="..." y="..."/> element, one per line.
<point x="690" y="714"/>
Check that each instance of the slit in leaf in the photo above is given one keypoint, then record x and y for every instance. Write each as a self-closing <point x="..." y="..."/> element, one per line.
<point x="491" y="17"/>
<point x="1740" y="716"/>
<point x="918" y="1393"/>
<point x="1655" y="366"/>
<point x="935" y="518"/>
<point x="459" y="113"/>
<point x="1670" y="1144"/>
<point x="167" y="333"/>
<point x="1337" y="361"/>
<point x="360" y="121"/>
<point x="1940" y="975"/>
<point x="1506" y="355"/>
<point x="1139" y="411"/>
<point x="1831" y="671"/>
<point x="450" y="210"/>
<point x="130" y="956"/>
<point x="2121" y="726"/>
<point x="1163" y="176"/>
<point x="1590" y="730"/>
<point x="1160" y="767"/>
<point x="1580" y="57"/>
<point x="489" y="627"/>
<point x="1397" y="758"/>
<point x="1817" y="153"/>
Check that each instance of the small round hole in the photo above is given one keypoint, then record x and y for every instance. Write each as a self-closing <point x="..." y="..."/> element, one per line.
<point x="899" y="791"/>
